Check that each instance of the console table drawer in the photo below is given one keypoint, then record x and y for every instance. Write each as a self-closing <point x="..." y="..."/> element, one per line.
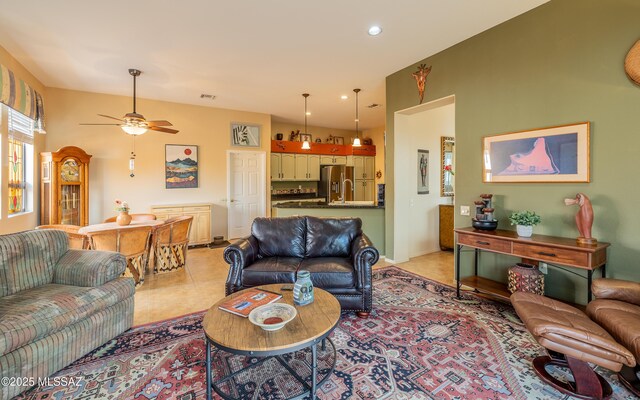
<point x="554" y="255"/>
<point x="499" y="245"/>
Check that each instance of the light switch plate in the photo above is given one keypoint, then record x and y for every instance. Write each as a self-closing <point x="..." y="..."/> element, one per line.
<point x="464" y="210"/>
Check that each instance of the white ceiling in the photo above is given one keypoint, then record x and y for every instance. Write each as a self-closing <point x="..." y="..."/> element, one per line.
<point x="254" y="55"/>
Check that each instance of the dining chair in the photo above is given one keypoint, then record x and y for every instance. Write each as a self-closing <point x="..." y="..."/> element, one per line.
<point x="77" y="240"/>
<point x="133" y="243"/>
<point x="135" y="217"/>
<point x="171" y="242"/>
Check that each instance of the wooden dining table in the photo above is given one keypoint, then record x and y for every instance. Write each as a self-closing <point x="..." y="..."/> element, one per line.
<point x="154" y="224"/>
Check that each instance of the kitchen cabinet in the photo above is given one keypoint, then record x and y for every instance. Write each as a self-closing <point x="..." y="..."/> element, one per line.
<point x="363" y="167"/>
<point x="283" y="167"/>
<point x="333" y="160"/>
<point x="307" y="167"/>
<point x="364" y="190"/>
<point x="200" y="231"/>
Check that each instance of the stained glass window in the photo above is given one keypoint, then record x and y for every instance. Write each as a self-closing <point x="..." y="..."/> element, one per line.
<point x="16" y="176"/>
<point x="20" y="143"/>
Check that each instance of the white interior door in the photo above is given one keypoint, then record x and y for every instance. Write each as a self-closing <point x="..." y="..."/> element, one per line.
<point x="246" y="199"/>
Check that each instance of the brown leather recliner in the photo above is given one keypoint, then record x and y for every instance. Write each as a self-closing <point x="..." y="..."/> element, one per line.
<point x="573" y="341"/>
<point x="617" y="310"/>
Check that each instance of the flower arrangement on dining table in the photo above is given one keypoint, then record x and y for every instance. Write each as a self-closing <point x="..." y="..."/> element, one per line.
<point x="121" y="206"/>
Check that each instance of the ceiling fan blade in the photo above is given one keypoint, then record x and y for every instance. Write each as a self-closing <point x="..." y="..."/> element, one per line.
<point x="159" y="123"/>
<point x="107" y="116"/>
<point x="165" y="130"/>
<point x="104" y="124"/>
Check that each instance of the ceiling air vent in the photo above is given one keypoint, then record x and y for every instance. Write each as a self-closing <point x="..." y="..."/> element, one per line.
<point x="374" y="105"/>
<point x="207" y="96"/>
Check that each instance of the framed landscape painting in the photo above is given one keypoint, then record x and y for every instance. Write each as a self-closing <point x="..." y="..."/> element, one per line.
<point x="554" y="154"/>
<point x="245" y="135"/>
<point x="181" y="166"/>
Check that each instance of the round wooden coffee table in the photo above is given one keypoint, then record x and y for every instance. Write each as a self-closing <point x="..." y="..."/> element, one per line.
<point x="236" y="335"/>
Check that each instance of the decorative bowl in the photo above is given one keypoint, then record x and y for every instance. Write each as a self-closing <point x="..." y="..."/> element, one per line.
<point x="272" y="317"/>
<point x="484" y="225"/>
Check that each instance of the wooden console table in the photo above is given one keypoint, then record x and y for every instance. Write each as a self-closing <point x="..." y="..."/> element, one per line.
<point x="548" y="249"/>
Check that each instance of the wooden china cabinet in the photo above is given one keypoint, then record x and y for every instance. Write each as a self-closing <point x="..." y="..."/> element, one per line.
<point x="64" y="187"/>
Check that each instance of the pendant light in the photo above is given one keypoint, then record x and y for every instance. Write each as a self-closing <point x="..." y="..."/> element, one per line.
<point x="356" y="141"/>
<point x="132" y="159"/>
<point x="305" y="144"/>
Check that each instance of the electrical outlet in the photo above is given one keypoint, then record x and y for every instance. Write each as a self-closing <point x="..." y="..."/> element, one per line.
<point x="543" y="268"/>
<point x="464" y="210"/>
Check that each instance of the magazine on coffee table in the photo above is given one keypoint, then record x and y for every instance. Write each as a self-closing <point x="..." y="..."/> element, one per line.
<point x="251" y="298"/>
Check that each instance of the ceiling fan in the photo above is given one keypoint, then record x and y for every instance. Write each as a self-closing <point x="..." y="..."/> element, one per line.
<point x="134" y="123"/>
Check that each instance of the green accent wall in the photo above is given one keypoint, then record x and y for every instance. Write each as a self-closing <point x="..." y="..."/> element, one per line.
<point x="557" y="64"/>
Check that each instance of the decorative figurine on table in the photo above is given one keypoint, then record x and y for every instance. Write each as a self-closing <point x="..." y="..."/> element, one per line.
<point x="584" y="218"/>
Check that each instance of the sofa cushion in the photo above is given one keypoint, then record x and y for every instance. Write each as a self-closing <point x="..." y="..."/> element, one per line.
<point x="271" y="270"/>
<point x="283" y="237"/>
<point x="620" y="319"/>
<point x="330" y="272"/>
<point x="27" y="259"/>
<point x="38" y="312"/>
<point x="331" y="237"/>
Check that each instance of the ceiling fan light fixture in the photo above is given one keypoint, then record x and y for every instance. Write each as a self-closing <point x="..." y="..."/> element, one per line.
<point x="134" y="130"/>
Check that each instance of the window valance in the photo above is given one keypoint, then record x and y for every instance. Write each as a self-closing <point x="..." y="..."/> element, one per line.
<point x="15" y="93"/>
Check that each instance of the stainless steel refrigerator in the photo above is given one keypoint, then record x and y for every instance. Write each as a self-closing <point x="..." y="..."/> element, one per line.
<point x="331" y="182"/>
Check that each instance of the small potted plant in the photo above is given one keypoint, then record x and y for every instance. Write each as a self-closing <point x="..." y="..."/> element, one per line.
<point x="122" y="207"/>
<point x="524" y="222"/>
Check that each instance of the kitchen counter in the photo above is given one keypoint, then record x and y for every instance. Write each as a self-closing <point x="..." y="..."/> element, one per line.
<point x="321" y="204"/>
<point x="372" y="216"/>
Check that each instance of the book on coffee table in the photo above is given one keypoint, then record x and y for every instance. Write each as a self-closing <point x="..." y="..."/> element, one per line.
<point x="248" y="300"/>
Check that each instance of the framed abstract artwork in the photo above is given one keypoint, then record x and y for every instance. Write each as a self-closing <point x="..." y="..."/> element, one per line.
<point x="245" y="135"/>
<point x="181" y="166"/>
<point x="423" y="171"/>
<point x="554" y="154"/>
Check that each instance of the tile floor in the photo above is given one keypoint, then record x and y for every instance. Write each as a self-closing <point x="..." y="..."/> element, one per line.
<point x="201" y="283"/>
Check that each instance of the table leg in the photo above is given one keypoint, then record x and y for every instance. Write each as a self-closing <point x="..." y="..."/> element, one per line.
<point x="589" y="279"/>
<point x="458" y="247"/>
<point x="604" y="270"/>
<point x="324" y="344"/>
<point x="208" y="368"/>
<point x="314" y="370"/>
<point x="476" y="262"/>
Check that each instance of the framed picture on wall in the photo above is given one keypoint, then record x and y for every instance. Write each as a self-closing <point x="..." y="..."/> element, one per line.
<point x="338" y="140"/>
<point x="554" y="154"/>
<point x="181" y="166"/>
<point x="245" y="135"/>
<point x="423" y="171"/>
<point x="305" y="136"/>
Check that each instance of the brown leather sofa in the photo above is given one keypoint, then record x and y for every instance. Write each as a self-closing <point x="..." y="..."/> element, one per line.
<point x="335" y="251"/>
<point x="617" y="309"/>
<point x="572" y="340"/>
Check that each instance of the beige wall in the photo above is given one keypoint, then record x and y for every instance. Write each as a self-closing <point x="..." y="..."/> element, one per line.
<point x="207" y="127"/>
<point x="27" y="220"/>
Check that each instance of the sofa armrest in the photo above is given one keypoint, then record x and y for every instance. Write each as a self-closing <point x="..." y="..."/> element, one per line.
<point x="88" y="268"/>
<point x="617" y="289"/>
<point x="363" y="253"/>
<point x="239" y="255"/>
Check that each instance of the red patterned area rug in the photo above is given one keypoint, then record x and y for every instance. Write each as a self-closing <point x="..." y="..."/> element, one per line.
<point x="420" y="342"/>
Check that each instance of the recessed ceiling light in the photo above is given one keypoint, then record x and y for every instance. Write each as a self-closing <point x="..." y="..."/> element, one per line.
<point x="375" y="30"/>
<point x="344" y="97"/>
<point x="308" y="112"/>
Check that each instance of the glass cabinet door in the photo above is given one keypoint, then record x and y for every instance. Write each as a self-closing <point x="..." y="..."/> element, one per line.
<point x="70" y="204"/>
